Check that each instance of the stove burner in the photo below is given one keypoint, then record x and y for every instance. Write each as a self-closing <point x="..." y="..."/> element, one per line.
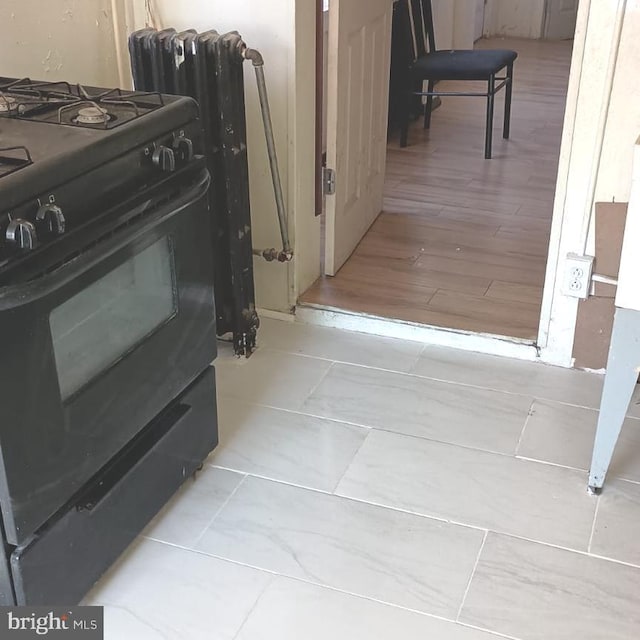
<point x="8" y="104"/>
<point x="92" y="115"/>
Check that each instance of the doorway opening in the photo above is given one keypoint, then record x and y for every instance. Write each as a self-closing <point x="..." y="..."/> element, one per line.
<point x="461" y="242"/>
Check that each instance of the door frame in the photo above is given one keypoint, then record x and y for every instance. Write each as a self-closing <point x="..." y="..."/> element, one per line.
<point x="557" y="319"/>
<point x="583" y="130"/>
<point x="598" y="36"/>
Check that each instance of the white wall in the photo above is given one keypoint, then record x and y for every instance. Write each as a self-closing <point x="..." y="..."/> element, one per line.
<point x="478" y="27"/>
<point x="602" y="124"/>
<point x="623" y="117"/>
<point x="271" y="28"/>
<point x="464" y="20"/>
<point x="628" y="293"/>
<point x="58" y="40"/>
<point x="443" y="15"/>
<point x="454" y="23"/>
<point x="514" y="18"/>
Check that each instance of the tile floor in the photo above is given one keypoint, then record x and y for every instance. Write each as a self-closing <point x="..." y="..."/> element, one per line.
<point x="370" y="488"/>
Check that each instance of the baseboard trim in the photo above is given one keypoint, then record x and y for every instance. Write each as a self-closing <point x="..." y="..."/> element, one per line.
<point x="425" y="334"/>
<point x="276" y="315"/>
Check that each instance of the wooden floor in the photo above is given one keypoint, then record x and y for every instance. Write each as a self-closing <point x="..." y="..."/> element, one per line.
<point x="462" y="241"/>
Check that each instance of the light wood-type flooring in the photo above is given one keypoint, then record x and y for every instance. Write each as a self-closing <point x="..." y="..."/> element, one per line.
<point x="462" y="241"/>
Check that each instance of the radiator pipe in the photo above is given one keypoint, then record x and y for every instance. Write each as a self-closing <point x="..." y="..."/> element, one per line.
<point x="258" y="64"/>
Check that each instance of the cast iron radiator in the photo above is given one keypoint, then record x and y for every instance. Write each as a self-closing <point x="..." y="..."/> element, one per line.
<point x="209" y="68"/>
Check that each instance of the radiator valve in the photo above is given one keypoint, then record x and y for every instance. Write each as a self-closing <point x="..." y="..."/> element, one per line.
<point x="271" y="255"/>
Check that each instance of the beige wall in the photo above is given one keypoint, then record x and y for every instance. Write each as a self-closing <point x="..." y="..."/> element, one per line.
<point x="58" y="39"/>
<point x="514" y="18"/>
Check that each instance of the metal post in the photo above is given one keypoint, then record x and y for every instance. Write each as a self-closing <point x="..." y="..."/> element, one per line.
<point x="404" y="109"/>
<point x="491" y="97"/>
<point x="429" y="105"/>
<point x="619" y="385"/>
<point x="507" y="103"/>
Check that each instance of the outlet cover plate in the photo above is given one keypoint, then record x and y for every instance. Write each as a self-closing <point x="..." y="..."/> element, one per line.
<point x="577" y="275"/>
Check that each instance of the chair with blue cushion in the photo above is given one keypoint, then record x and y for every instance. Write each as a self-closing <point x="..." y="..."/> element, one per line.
<point x="427" y="63"/>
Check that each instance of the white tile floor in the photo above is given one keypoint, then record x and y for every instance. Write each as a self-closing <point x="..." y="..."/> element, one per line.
<point x="367" y="489"/>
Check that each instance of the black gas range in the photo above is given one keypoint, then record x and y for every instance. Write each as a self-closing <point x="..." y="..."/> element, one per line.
<point x="107" y="312"/>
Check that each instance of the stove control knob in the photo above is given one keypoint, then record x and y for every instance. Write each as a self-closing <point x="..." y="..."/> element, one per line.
<point x="164" y="158"/>
<point x="22" y="234"/>
<point x="183" y="148"/>
<point x="51" y="219"/>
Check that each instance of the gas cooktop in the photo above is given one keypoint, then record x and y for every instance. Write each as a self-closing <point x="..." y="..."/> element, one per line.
<point x="43" y="120"/>
<point x="69" y="151"/>
<point x="51" y="132"/>
<point x="73" y="105"/>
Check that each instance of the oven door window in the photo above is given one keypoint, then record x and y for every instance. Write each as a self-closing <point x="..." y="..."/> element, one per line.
<point x="98" y="326"/>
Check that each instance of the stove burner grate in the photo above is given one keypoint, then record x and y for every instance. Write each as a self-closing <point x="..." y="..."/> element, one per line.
<point x="8" y="104"/>
<point x="12" y="159"/>
<point x="74" y="105"/>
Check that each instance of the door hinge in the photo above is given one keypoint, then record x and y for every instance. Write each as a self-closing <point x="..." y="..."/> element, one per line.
<point x="328" y="181"/>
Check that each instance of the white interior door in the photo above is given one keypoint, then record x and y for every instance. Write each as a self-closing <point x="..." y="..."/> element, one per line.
<point x="560" y="22"/>
<point x="357" y="106"/>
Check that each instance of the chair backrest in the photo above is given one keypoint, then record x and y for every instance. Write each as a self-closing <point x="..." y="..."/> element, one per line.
<point x="423" y="33"/>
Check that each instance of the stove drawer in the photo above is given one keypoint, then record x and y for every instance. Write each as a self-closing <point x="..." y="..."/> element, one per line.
<point x="63" y="560"/>
<point x="95" y="349"/>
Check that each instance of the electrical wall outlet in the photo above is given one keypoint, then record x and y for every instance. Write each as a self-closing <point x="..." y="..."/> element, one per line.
<point x="577" y="275"/>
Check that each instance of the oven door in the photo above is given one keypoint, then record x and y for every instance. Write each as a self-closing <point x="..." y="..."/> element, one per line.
<point x="93" y="350"/>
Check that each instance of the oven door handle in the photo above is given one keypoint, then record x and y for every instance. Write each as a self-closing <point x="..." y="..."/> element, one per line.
<point x="26" y="293"/>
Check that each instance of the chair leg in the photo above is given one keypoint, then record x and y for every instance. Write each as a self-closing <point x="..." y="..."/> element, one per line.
<point x="429" y="106"/>
<point x="404" y="116"/>
<point x="507" y="103"/>
<point x="491" y="98"/>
